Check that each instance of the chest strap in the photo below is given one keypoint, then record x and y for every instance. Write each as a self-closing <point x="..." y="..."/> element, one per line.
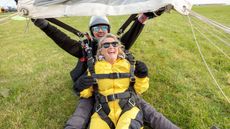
<point x="112" y="75"/>
<point x="112" y="97"/>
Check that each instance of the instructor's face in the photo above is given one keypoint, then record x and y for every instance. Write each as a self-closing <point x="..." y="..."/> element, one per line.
<point x="100" y="31"/>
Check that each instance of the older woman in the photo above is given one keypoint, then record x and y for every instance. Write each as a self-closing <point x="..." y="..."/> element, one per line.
<point x="115" y="105"/>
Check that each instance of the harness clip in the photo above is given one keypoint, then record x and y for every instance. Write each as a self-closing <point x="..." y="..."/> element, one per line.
<point x="110" y="98"/>
<point x="98" y="107"/>
<point x="131" y="102"/>
<point x="95" y="81"/>
<point x="114" y="75"/>
<point x="132" y="79"/>
<point x="118" y="76"/>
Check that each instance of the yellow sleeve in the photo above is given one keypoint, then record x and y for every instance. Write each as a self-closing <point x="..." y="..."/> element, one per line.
<point x="86" y="93"/>
<point x="141" y="84"/>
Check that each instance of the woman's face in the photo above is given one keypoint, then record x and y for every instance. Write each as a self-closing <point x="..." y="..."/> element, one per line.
<point x="109" y="49"/>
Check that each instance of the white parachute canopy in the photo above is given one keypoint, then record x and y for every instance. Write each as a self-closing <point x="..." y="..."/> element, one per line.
<point x="60" y="8"/>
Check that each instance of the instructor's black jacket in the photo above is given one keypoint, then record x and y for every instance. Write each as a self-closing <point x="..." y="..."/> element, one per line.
<point x="74" y="47"/>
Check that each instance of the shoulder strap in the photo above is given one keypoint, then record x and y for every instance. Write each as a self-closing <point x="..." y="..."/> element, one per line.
<point x="132" y="62"/>
<point x="65" y="26"/>
<point x="126" y="24"/>
<point x="85" y="41"/>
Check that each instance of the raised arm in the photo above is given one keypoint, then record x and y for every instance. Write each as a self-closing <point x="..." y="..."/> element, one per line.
<point x="132" y="34"/>
<point x="71" y="46"/>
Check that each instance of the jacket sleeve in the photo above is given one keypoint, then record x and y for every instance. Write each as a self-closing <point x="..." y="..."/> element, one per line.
<point x="131" y="35"/>
<point x="141" y="84"/>
<point x="86" y="93"/>
<point x="71" y="46"/>
<point x="82" y="114"/>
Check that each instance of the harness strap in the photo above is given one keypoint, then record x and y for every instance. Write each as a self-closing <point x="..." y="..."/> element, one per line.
<point x="111" y="75"/>
<point x="127" y="104"/>
<point x="89" y="54"/>
<point x="104" y="116"/>
<point x="127" y="100"/>
<point x="126" y="24"/>
<point x="65" y="26"/>
<point x="132" y="62"/>
<point x="112" y="97"/>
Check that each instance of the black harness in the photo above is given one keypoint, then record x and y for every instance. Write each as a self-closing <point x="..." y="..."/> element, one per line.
<point x="126" y="24"/>
<point x="126" y="100"/>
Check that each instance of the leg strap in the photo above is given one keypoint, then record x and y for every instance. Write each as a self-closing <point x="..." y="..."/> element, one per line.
<point x="104" y="116"/>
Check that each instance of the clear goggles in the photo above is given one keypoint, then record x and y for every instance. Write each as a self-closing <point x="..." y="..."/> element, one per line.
<point x="100" y="27"/>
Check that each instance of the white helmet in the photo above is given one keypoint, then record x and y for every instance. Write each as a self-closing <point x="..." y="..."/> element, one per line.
<point x="98" y="20"/>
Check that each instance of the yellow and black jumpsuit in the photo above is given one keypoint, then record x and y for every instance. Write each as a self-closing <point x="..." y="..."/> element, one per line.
<point x="108" y="87"/>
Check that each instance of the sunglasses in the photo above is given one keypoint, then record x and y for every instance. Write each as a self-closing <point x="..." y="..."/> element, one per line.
<point x="107" y="44"/>
<point x="102" y="27"/>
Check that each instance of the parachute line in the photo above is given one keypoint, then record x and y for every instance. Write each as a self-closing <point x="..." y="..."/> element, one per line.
<point x="212" y="43"/>
<point x="202" y="56"/>
<point x="209" y="21"/>
<point x="216" y="30"/>
<point x="2" y="20"/>
<point x="215" y="35"/>
<point x="211" y="33"/>
<point x="220" y="32"/>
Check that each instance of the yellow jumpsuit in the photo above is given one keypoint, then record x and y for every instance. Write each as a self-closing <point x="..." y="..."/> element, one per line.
<point x="113" y="86"/>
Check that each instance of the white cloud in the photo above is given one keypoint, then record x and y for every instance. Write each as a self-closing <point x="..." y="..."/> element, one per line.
<point x="5" y="3"/>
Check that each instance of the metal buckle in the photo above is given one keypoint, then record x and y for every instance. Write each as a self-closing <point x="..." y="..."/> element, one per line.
<point x="109" y="96"/>
<point x="131" y="102"/>
<point x="120" y="31"/>
<point x="118" y="76"/>
<point x="132" y="79"/>
<point x="114" y="75"/>
<point x="98" y="108"/>
<point x="95" y="81"/>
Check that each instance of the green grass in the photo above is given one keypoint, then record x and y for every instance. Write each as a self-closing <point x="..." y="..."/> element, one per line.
<point x="36" y="73"/>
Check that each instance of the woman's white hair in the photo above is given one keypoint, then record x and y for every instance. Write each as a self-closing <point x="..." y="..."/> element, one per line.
<point x="121" y="53"/>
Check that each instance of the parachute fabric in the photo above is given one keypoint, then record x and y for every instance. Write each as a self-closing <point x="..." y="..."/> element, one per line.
<point x="60" y="8"/>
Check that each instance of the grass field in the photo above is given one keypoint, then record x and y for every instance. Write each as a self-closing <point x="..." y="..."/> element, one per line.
<point x="36" y="89"/>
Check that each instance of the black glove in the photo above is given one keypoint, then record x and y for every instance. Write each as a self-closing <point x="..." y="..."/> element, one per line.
<point x="41" y="23"/>
<point x="83" y="82"/>
<point x="156" y="13"/>
<point x="141" y="69"/>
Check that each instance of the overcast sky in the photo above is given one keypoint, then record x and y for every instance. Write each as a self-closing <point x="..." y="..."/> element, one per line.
<point x="209" y="1"/>
<point x="7" y="3"/>
<point x="12" y="3"/>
